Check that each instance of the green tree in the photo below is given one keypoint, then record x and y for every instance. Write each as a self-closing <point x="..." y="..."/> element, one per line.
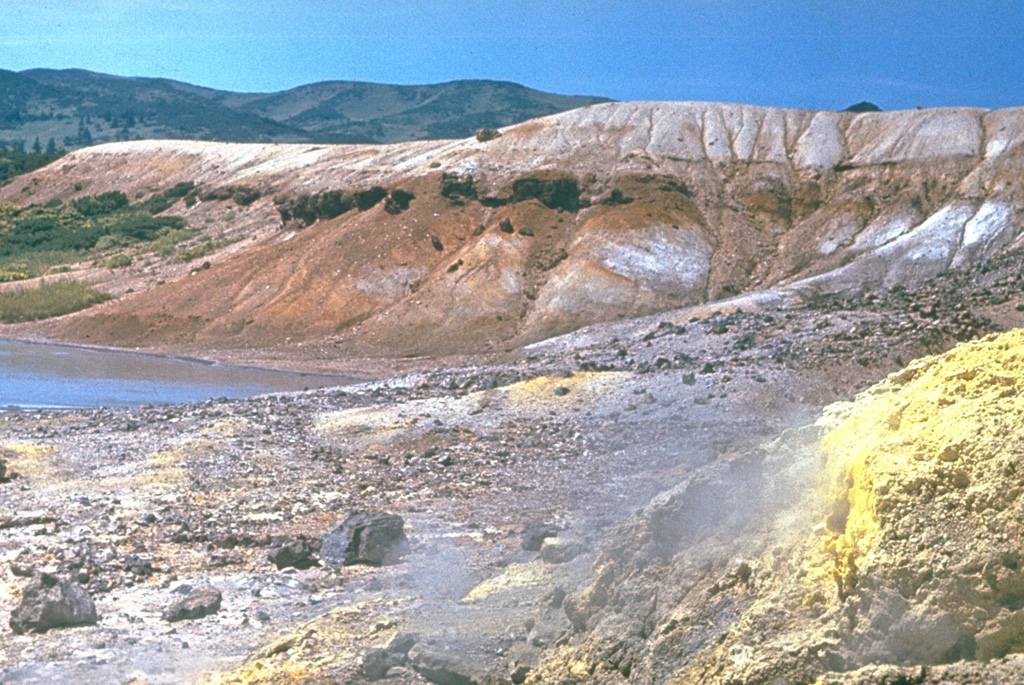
<point x="51" y="147"/>
<point x="84" y="136"/>
<point x="37" y="147"/>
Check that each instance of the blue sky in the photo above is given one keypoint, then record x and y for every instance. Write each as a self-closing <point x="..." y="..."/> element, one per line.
<point x="819" y="54"/>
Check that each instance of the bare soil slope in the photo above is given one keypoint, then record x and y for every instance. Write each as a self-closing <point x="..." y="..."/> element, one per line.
<point x="607" y="212"/>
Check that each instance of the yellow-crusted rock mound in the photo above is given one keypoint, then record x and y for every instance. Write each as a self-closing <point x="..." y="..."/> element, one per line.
<point x="889" y="546"/>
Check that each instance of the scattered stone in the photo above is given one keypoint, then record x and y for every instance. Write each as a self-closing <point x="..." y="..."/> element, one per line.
<point x="519" y="674"/>
<point x="199" y="602"/>
<point x="436" y="242"/>
<point x="372" y="538"/>
<point x="533" y="536"/>
<point x="26" y="520"/>
<point x="22" y="565"/>
<point x="555" y="598"/>
<point x="288" y="552"/>
<point x="443" y="666"/>
<point x="999" y="637"/>
<point x="559" y="550"/>
<point x="49" y="601"/>
<point x="402" y="643"/>
<point x="378" y="662"/>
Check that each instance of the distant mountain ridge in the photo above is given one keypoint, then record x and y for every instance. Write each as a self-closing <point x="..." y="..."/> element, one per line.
<point x="76" y="108"/>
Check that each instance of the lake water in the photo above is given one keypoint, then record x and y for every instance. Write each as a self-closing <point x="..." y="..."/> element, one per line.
<point x="38" y="375"/>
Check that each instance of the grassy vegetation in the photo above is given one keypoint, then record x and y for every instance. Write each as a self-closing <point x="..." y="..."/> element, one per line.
<point x="165" y="243"/>
<point x="107" y="230"/>
<point x="117" y="261"/>
<point x="204" y="248"/>
<point x="34" y="239"/>
<point x="80" y="226"/>
<point x="31" y="265"/>
<point x="48" y="300"/>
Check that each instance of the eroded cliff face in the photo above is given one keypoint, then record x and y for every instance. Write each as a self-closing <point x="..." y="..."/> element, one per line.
<point x="602" y="213"/>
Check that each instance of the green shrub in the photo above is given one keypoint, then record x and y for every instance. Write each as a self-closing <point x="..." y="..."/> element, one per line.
<point x="95" y="205"/>
<point x="157" y="204"/>
<point x="180" y="189"/>
<point x="161" y="202"/>
<point x="242" y="195"/>
<point x="245" y="196"/>
<point x="78" y="228"/>
<point x="331" y="203"/>
<point x="204" y="248"/>
<point x="34" y="264"/>
<point x="108" y="241"/>
<point x="118" y="261"/>
<point x="139" y="225"/>
<point x="48" y="300"/>
<point x="165" y="242"/>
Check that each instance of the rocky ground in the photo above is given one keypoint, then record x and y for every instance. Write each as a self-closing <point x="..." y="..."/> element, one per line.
<point x="139" y="506"/>
<point x="614" y="351"/>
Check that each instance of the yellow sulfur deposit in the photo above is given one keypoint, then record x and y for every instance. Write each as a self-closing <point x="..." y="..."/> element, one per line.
<point x="926" y="429"/>
<point x="534" y="573"/>
<point x="328" y="642"/>
<point x="28" y="460"/>
<point x="542" y="392"/>
<point x="394" y="424"/>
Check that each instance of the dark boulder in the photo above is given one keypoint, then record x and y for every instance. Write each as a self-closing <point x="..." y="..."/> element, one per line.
<point x="559" y="550"/>
<point x="288" y="552"/>
<point x="372" y="538"/>
<point x="199" y="602"/>
<point x="49" y="601"/>
<point x="459" y="663"/>
<point x="533" y="536"/>
<point x="377" y="662"/>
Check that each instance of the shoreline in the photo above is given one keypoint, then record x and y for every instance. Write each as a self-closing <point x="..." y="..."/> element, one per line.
<point x="59" y="377"/>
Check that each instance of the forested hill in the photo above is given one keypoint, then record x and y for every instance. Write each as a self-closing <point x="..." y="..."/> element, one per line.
<point x="75" y="108"/>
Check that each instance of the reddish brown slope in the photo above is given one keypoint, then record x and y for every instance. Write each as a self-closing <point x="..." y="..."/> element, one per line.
<point x="615" y="211"/>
